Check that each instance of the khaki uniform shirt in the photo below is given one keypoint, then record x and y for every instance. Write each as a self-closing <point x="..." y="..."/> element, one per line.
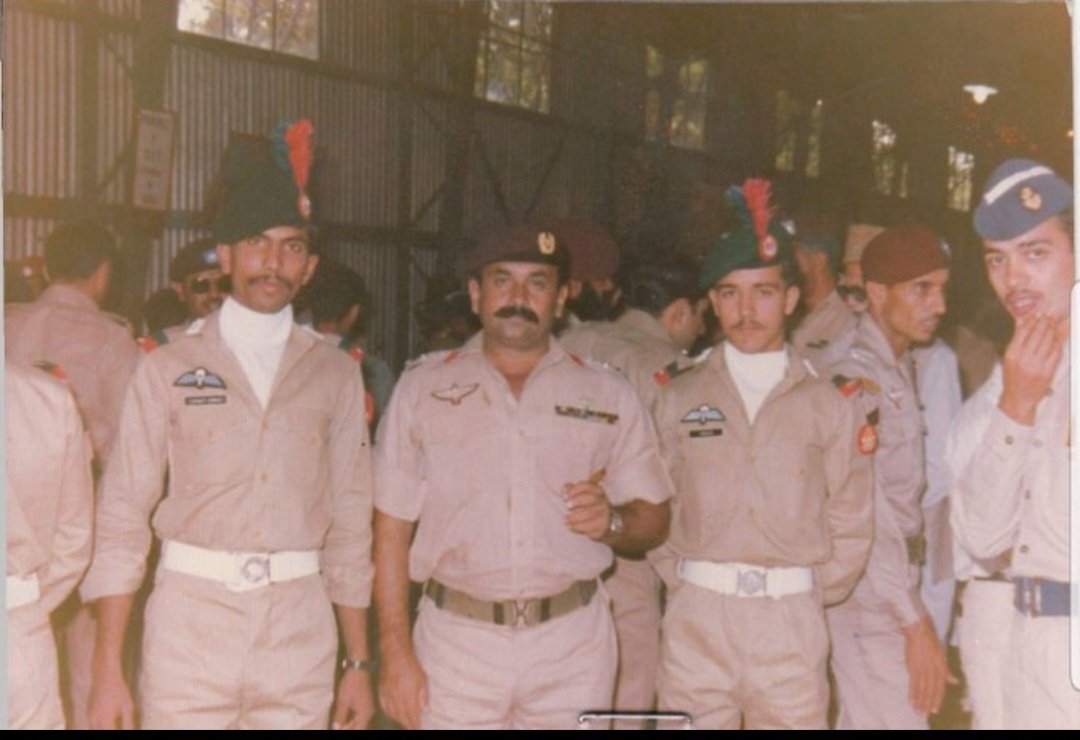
<point x="1011" y="493"/>
<point x="94" y="348"/>
<point x="862" y="364"/>
<point x="636" y="345"/>
<point x="295" y="476"/>
<point x="48" y="488"/>
<point x="791" y="489"/>
<point x="819" y="328"/>
<point x="484" y="473"/>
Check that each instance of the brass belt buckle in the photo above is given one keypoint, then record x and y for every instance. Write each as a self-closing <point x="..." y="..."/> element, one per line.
<point x="521" y="613"/>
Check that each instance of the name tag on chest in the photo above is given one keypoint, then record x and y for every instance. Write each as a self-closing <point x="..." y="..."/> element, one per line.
<point x="585" y="414"/>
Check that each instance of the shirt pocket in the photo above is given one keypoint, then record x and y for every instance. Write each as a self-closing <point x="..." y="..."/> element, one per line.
<point x="214" y="445"/>
<point x="710" y="473"/>
<point x="793" y="483"/>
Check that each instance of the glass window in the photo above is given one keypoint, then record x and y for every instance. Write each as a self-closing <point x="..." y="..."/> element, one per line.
<point x="786" y="134"/>
<point x="884" y="159"/>
<point x="685" y="84"/>
<point x="813" y="141"/>
<point x="288" y="26"/>
<point x="961" y="167"/>
<point x="513" y="61"/>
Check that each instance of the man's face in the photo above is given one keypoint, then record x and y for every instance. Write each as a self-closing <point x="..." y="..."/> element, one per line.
<point x="690" y="323"/>
<point x="203" y="292"/>
<point x="517" y="303"/>
<point x="851" y="287"/>
<point x="593" y="300"/>
<point x="752" y="306"/>
<point x="268" y="269"/>
<point x="910" y="311"/>
<point x="1033" y="273"/>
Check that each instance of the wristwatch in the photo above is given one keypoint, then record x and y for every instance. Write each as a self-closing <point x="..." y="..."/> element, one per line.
<point x="354" y="664"/>
<point x="616" y="525"/>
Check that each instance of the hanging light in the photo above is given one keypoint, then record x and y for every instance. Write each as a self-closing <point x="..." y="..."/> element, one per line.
<point x="980" y="93"/>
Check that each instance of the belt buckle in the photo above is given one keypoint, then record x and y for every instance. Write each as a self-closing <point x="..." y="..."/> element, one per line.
<point x="522" y="613"/>
<point x="252" y="571"/>
<point x="751" y="582"/>
<point x="1029" y="599"/>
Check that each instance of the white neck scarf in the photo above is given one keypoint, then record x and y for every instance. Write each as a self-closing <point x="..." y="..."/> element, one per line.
<point x="755" y="375"/>
<point x="257" y="340"/>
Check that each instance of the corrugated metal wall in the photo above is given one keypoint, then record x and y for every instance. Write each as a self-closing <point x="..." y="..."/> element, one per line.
<point x="556" y="165"/>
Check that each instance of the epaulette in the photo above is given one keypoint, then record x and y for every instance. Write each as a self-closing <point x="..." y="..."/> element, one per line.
<point x="52" y="369"/>
<point x="428" y="357"/>
<point x="351" y="350"/>
<point x="810" y="368"/>
<point x="577" y="360"/>
<point x="669" y="372"/>
<point x="152" y="341"/>
<point x="118" y="319"/>
<point x="850" y="386"/>
<point x="453" y="355"/>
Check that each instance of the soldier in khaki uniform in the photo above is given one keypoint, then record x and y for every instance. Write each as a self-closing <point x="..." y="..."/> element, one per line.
<point x="648" y="344"/>
<point x="1010" y="450"/>
<point x="817" y="252"/>
<point x="265" y="524"/>
<point x="519" y="467"/>
<point x="66" y="326"/>
<point x="889" y="664"/>
<point x="772" y="517"/>
<point x="49" y="497"/>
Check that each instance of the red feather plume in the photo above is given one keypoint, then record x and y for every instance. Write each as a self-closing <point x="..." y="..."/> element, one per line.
<point x="757" y="193"/>
<point x="298" y="139"/>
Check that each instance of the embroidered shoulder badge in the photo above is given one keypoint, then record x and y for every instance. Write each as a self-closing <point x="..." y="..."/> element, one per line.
<point x="850" y="386"/>
<point x="868" y="438"/>
<point x="669" y="372"/>
<point x="199" y="378"/>
<point x="152" y="341"/>
<point x="455" y="394"/>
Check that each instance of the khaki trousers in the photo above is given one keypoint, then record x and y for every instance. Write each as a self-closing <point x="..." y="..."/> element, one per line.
<point x="634" y="588"/>
<point x="260" y="659"/>
<point x="756" y="662"/>
<point x="485" y="676"/>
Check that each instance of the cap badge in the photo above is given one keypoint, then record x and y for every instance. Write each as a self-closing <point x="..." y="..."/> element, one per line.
<point x="303" y="204"/>
<point x="768" y="247"/>
<point x="1030" y="198"/>
<point x="546" y="242"/>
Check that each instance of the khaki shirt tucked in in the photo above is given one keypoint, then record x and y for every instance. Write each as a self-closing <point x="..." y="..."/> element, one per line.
<point x="48" y="489"/>
<point x="1011" y="492"/>
<point x="295" y="476"/>
<point x="862" y="364"/>
<point x="791" y="489"/>
<point x="484" y="473"/>
<point x="819" y="328"/>
<point x="95" y="349"/>
<point x="636" y="345"/>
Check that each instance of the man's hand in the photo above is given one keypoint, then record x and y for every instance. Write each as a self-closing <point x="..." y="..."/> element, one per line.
<point x="928" y="670"/>
<point x="403" y="688"/>
<point x="353" y="705"/>
<point x="1028" y="366"/>
<point x="589" y="511"/>
<point x="111" y="706"/>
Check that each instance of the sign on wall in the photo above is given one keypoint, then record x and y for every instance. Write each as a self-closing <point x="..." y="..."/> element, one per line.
<point x="154" y="135"/>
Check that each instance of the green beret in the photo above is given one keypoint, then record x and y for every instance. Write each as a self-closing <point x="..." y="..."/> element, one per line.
<point x="759" y="240"/>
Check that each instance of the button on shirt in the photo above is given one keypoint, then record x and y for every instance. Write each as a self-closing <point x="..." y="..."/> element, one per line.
<point x="293" y="476"/>
<point x="1011" y="491"/>
<point x="484" y="473"/>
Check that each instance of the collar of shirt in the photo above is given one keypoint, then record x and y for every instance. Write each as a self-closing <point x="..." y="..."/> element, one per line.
<point x="872" y="338"/>
<point x="555" y="354"/>
<point x="65" y="295"/>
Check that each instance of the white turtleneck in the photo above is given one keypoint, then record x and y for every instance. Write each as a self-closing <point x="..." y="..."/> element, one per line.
<point x="257" y="340"/>
<point x="755" y="375"/>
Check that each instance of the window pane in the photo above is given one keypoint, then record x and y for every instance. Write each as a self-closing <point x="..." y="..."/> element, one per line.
<point x="813" y="142"/>
<point x="534" y="76"/>
<point x="202" y="16"/>
<point x="652" y="115"/>
<point x="502" y="73"/>
<point x="297" y="27"/>
<point x="785" y="132"/>
<point x="506" y="14"/>
<point x="693" y="77"/>
<point x="250" y="22"/>
<point x="538" y="21"/>
<point x="654" y="62"/>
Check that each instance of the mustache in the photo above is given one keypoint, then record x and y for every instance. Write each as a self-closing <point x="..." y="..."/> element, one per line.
<point x="273" y="278"/>
<point x="747" y="324"/>
<point x="509" y="312"/>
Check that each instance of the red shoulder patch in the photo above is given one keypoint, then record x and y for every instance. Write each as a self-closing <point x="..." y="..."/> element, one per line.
<point x="52" y="369"/>
<point x="147" y="344"/>
<point x="451" y="357"/>
<point x="369" y="407"/>
<point x="576" y="359"/>
<point x="662" y="378"/>
<point x="356" y="353"/>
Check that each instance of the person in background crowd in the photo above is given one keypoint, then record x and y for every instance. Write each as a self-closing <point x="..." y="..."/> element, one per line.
<point x="519" y="468"/>
<point x="1009" y="450"/>
<point x="66" y="327"/>
<point x="851" y="284"/>
<point x="888" y="662"/>
<point x="445" y="317"/>
<point x="664" y="316"/>
<point x="337" y="298"/>
<point x="817" y="252"/>
<point x="594" y="263"/>
<point x="49" y="501"/>
<point x="773" y="509"/>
